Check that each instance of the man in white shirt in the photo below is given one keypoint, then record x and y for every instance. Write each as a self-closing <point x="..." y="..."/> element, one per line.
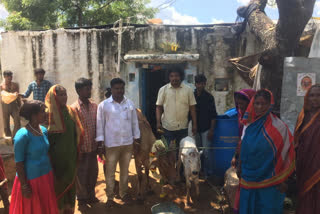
<point x="117" y="129"/>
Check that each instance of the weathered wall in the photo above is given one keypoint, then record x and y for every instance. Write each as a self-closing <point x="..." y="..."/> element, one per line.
<point x="1" y="122"/>
<point x="65" y="55"/>
<point x="69" y="54"/>
<point x="291" y="104"/>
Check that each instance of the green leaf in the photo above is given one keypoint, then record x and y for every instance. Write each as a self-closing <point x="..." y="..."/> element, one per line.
<point x="45" y="14"/>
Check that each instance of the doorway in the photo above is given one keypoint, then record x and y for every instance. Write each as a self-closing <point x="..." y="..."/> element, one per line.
<point x="152" y="81"/>
<point x="152" y="78"/>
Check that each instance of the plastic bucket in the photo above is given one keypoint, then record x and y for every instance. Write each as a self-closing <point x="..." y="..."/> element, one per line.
<point x="166" y="208"/>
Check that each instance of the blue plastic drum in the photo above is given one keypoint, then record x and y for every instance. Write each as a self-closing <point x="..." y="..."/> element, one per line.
<point x="225" y="141"/>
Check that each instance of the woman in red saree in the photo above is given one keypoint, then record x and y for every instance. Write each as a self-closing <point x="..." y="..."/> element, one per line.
<point x="4" y="188"/>
<point x="307" y="143"/>
<point x="267" y="158"/>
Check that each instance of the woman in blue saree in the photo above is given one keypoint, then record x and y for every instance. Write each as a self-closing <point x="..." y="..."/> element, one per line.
<point x="267" y="158"/>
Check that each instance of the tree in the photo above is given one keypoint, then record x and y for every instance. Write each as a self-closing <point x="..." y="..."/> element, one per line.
<point x="278" y="40"/>
<point x="45" y="14"/>
<point x="29" y="14"/>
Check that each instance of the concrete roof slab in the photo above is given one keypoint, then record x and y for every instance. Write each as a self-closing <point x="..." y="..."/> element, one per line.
<point x="165" y="58"/>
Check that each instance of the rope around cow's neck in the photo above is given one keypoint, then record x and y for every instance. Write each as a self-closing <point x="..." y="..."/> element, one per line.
<point x="202" y="148"/>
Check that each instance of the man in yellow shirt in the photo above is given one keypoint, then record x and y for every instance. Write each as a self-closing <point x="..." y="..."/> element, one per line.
<point x="175" y="101"/>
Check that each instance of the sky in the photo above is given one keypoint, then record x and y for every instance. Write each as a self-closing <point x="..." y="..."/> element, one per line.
<point x="186" y="12"/>
<point x="194" y="12"/>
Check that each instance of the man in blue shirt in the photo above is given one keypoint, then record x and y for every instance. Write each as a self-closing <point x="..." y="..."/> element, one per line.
<point x="39" y="87"/>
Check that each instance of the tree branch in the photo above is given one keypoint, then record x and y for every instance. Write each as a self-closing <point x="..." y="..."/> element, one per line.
<point x="106" y="4"/>
<point x="293" y="18"/>
<point x="283" y="38"/>
<point x="278" y="41"/>
<point x="260" y="24"/>
<point x="165" y="4"/>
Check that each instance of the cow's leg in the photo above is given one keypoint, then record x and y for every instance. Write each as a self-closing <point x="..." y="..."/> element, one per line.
<point x="139" y="173"/>
<point x="188" y="186"/>
<point x="196" y="183"/>
<point x="178" y="167"/>
<point x="147" y="171"/>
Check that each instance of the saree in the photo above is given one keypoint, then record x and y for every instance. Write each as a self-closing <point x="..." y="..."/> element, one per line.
<point x="307" y="143"/>
<point x="267" y="159"/>
<point x="65" y="136"/>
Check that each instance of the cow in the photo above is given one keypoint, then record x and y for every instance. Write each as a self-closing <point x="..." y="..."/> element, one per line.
<point x="189" y="156"/>
<point x="164" y="158"/>
<point x="149" y="152"/>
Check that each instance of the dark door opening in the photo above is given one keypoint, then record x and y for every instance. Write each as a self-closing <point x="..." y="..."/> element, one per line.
<point x="152" y="81"/>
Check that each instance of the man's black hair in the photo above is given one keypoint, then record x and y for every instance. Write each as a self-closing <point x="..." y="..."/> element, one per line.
<point x="82" y="82"/>
<point x="178" y="70"/>
<point x="39" y="71"/>
<point x="200" y="78"/>
<point x="7" y="73"/>
<point x="116" y="81"/>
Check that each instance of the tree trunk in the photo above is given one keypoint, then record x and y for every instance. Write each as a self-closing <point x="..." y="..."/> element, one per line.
<point x="271" y="78"/>
<point x="278" y="41"/>
<point x="80" y="15"/>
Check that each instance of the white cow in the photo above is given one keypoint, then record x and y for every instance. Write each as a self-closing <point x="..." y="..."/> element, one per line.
<point x="190" y="157"/>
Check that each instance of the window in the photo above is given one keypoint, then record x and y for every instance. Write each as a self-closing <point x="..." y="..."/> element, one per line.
<point x="221" y="84"/>
<point x="132" y="77"/>
<point x="190" y="78"/>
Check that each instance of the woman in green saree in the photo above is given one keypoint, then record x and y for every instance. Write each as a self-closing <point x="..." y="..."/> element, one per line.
<point x="65" y="136"/>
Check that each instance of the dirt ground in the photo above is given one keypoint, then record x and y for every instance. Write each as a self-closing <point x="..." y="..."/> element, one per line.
<point x="208" y="201"/>
<point x="205" y="204"/>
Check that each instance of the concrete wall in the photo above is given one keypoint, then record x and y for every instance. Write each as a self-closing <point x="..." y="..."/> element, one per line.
<point x="1" y="121"/>
<point x="291" y="104"/>
<point x="67" y="55"/>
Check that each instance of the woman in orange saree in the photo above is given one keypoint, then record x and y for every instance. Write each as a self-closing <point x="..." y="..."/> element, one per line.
<point x="307" y="143"/>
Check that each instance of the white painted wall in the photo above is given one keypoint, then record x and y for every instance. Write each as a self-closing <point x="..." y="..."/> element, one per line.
<point x="67" y="55"/>
<point x="65" y="61"/>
